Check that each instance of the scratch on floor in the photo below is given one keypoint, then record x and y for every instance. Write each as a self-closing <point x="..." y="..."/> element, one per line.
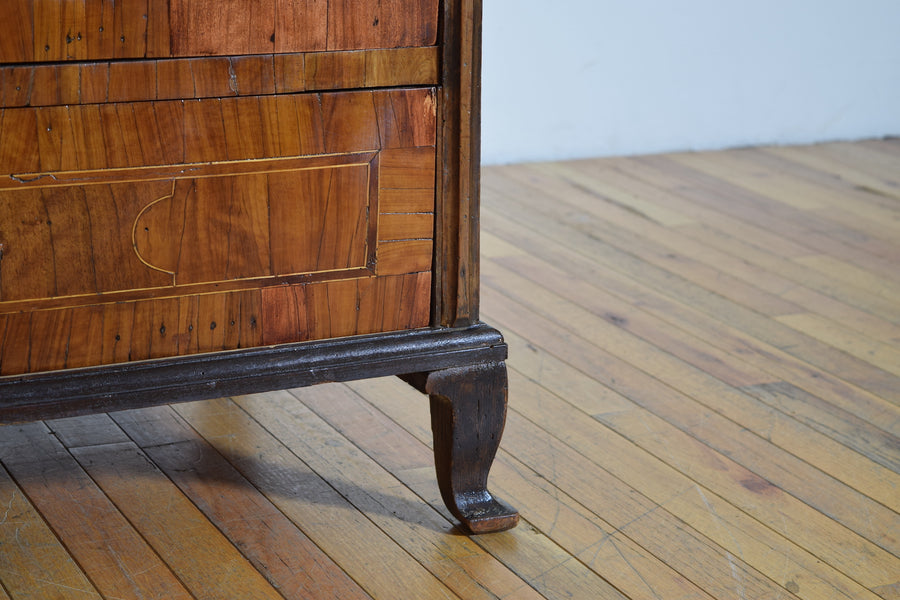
<point x="638" y="573"/>
<point x="9" y="507"/>
<point x="735" y="571"/>
<point x="735" y="574"/>
<point x="74" y="589"/>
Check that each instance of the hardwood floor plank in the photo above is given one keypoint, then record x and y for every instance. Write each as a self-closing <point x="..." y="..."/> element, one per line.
<point x="770" y="184"/>
<point x="741" y="536"/>
<point x="570" y="228"/>
<point x="519" y="275"/>
<point x="832" y="168"/>
<point x="749" y="243"/>
<point x="873" y="443"/>
<point x="534" y="558"/>
<point x="745" y="242"/>
<point x="582" y="214"/>
<point x="600" y="488"/>
<point x="703" y="316"/>
<point x="633" y="554"/>
<point x="195" y="550"/>
<point x="700" y="393"/>
<point x="617" y="177"/>
<point x="418" y="529"/>
<point x="87" y="430"/>
<point x="772" y="181"/>
<point x="783" y="514"/>
<point x="878" y="354"/>
<point x="295" y="566"/>
<point x="871" y="156"/>
<point x="884" y="148"/>
<point x="344" y="533"/>
<point x="287" y="558"/>
<point x="804" y="227"/>
<point x="885" y="230"/>
<point x="398" y="454"/>
<point x="603" y="317"/>
<point x="560" y="181"/>
<point x="758" y="229"/>
<point x="877" y="483"/>
<point x="696" y="248"/>
<point x="621" y="562"/>
<point x="814" y="290"/>
<point x="871" y="283"/>
<point x="876" y="210"/>
<point x="114" y="556"/>
<point x="33" y="562"/>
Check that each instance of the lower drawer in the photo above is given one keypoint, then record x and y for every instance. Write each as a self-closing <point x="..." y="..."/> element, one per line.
<point x="143" y="230"/>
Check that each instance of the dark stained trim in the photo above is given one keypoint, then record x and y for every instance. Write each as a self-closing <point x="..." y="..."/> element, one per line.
<point x="186" y="378"/>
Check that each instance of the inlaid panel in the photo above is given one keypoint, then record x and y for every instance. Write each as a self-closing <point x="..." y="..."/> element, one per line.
<point x="136" y="231"/>
<point x="280" y="218"/>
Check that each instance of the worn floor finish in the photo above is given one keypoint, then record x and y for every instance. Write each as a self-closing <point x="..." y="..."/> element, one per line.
<point x="704" y="404"/>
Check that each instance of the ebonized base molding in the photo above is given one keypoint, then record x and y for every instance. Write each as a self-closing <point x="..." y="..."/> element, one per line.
<point x="462" y="371"/>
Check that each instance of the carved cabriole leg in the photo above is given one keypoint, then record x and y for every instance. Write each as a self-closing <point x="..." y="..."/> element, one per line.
<point x="468" y="413"/>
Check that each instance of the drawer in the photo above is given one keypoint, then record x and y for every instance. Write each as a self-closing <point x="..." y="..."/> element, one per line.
<point x="150" y="229"/>
<point x="87" y="30"/>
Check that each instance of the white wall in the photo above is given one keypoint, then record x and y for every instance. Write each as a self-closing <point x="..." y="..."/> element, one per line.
<point x="579" y="78"/>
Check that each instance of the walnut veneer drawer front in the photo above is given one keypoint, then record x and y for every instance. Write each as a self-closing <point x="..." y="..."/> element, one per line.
<point x="133" y="231"/>
<point x="59" y="30"/>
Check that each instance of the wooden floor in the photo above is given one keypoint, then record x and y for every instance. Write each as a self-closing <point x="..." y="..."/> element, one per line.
<point x="704" y="403"/>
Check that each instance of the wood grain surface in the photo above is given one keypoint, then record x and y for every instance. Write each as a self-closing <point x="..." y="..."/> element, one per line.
<point x="458" y="187"/>
<point x="213" y="77"/>
<point x="142" y="230"/>
<point x="61" y="30"/>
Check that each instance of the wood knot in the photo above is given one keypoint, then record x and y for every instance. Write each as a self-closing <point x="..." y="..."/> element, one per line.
<point x="616" y="319"/>
<point x="759" y="486"/>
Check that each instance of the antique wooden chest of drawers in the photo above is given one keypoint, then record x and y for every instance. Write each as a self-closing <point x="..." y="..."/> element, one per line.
<point x="207" y="197"/>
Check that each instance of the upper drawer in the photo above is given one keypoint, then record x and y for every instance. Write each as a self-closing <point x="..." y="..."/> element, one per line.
<point x="60" y="30"/>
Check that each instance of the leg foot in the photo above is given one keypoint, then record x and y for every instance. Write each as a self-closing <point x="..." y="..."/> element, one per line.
<point x="468" y="414"/>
